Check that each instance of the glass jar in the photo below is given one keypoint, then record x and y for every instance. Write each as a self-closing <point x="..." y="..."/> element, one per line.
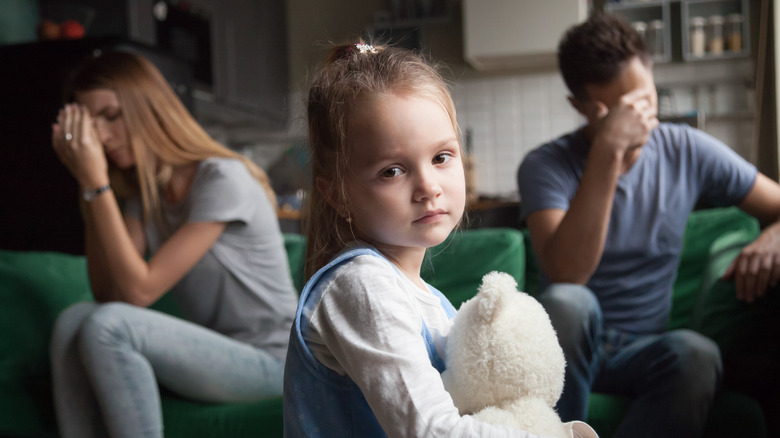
<point x="698" y="36"/>
<point x="655" y="39"/>
<point x="734" y="32"/>
<point x="715" y="42"/>
<point x="641" y="28"/>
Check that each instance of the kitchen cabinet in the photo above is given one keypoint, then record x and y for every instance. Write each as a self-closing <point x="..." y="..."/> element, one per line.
<point x="653" y="21"/>
<point x="515" y="34"/>
<point x="691" y="30"/>
<point x="726" y="29"/>
<point x="247" y="89"/>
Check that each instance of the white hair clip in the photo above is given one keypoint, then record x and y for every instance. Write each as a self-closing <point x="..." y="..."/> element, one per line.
<point x="365" y="48"/>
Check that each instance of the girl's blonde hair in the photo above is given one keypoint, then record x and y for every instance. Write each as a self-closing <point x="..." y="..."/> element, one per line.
<point x="161" y="131"/>
<point x="351" y="72"/>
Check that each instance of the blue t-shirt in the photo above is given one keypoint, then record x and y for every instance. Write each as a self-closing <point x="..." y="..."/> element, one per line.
<point x="678" y="166"/>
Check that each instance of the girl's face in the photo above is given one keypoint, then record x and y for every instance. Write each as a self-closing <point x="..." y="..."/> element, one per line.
<point x="407" y="188"/>
<point x="103" y="106"/>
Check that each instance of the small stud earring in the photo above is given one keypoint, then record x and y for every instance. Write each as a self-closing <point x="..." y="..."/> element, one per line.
<point x="349" y="219"/>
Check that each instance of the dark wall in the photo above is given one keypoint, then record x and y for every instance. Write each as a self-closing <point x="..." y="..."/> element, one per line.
<point x="100" y="18"/>
<point x="38" y="197"/>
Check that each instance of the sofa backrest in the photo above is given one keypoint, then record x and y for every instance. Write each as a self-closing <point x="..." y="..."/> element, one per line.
<point x="455" y="267"/>
<point x="703" y="227"/>
<point x="34" y="288"/>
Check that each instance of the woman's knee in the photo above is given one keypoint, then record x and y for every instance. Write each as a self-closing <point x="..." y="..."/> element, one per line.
<point x="68" y="325"/>
<point x="108" y="325"/>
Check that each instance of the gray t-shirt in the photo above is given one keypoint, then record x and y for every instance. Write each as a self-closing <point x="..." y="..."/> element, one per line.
<point x="242" y="287"/>
<point x="678" y="166"/>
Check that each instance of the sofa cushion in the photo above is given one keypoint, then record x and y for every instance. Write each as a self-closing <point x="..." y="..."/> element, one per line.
<point x="456" y="266"/>
<point x="718" y="313"/>
<point x="747" y="333"/>
<point x="732" y="415"/>
<point x="190" y="419"/>
<point x="34" y="288"/>
<point x="703" y="228"/>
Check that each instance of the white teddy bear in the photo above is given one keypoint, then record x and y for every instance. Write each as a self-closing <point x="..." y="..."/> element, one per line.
<point x="504" y="363"/>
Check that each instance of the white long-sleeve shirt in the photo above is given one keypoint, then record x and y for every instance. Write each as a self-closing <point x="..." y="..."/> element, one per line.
<point x="367" y="324"/>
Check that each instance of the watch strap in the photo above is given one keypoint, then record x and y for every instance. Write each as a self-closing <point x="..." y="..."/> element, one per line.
<point x="90" y="194"/>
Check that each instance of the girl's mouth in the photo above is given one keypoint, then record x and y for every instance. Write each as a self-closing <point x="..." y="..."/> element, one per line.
<point x="431" y="217"/>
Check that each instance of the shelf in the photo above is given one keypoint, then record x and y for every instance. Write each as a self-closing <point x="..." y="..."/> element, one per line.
<point x="634" y="4"/>
<point x="676" y="16"/>
<point x="646" y="12"/>
<point x="709" y="8"/>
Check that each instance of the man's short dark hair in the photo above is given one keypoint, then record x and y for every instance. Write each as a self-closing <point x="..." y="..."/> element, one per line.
<point x="595" y="52"/>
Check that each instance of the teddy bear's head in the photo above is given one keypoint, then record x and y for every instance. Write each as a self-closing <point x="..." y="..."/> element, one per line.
<point x="502" y="347"/>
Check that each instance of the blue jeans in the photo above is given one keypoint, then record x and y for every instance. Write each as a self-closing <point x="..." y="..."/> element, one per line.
<point x="672" y="377"/>
<point x="107" y="361"/>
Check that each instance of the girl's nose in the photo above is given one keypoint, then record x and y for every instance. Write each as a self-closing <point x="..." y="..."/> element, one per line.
<point x="427" y="187"/>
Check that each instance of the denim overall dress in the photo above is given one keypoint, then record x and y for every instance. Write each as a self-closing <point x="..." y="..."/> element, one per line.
<point x="319" y="402"/>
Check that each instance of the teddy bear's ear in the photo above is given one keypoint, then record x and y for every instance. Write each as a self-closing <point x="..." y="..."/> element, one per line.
<point x="491" y="291"/>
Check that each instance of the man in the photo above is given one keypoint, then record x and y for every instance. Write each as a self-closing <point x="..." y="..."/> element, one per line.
<point x="606" y="207"/>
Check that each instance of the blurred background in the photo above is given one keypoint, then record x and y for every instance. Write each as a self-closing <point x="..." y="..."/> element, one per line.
<point x="241" y="67"/>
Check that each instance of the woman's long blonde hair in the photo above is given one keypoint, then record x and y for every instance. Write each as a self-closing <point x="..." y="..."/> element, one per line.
<point x="161" y="131"/>
<point x="349" y="73"/>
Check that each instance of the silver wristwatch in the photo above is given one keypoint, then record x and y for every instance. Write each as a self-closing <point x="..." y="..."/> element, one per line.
<point x="90" y="194"/>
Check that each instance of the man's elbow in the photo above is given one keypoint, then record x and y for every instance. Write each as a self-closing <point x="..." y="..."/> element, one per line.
<point x="567" y="273"/>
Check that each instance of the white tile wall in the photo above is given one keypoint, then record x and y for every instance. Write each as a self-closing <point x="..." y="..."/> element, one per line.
<point x="508" y="117"/>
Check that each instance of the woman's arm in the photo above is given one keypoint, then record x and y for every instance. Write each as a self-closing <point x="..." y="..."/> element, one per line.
<point x="116" y="266"/>
<point x="119" y="269"/>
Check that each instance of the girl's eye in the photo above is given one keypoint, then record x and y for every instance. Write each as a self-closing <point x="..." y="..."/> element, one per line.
<point x="391" y="172"/>
<point x="441" y="158"/>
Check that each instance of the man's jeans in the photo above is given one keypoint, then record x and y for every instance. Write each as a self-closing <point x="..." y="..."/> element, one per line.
<point x="671" y="377"/>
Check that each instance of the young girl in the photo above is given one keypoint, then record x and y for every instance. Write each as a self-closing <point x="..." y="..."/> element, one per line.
<point x="368" y="341"/>
<point x="206" y="217"/>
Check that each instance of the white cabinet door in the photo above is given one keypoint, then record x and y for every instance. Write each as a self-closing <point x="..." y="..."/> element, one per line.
<point x="516" y="34"/>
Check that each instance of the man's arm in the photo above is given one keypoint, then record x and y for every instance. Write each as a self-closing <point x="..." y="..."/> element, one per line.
<point x="570" y="243"/>
<point x="757" y="267"/>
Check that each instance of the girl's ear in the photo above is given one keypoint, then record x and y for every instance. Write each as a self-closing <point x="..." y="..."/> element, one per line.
<point x="328" y="191"/>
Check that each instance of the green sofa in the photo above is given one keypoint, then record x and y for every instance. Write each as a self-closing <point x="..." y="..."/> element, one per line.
<point x="706" y="304"/>
<point x="36" y="286"/>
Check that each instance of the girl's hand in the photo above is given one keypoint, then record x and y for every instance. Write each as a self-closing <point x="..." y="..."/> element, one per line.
<point x="78" y="147"/>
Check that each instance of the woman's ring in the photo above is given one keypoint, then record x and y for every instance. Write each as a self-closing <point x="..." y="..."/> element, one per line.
<point x="68" y="136"/>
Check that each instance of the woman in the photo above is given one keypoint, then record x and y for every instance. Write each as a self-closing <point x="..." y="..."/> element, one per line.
<point x="165" y="208"/>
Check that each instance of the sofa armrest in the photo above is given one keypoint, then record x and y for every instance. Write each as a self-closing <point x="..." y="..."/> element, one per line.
<point x="702" y="229"/>
<point x="718" y="314"/>
<point x="34" y="288"/>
